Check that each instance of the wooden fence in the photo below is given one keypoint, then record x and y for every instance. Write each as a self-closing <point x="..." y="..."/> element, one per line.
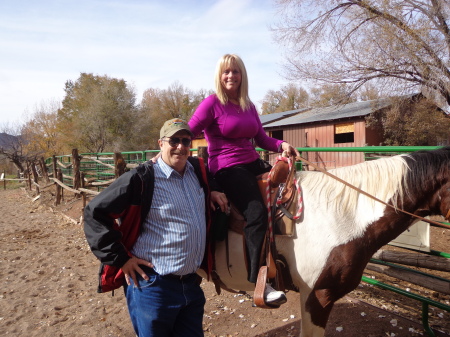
<point x="83" y="175"/>
<point x="86" y="175"/>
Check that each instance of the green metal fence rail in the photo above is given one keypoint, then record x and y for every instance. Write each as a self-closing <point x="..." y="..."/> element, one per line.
<point x="93" y="169"/>
<point x="369" y="149"/>
<point x="370" y="152"/>
<point x="426" y="302"/>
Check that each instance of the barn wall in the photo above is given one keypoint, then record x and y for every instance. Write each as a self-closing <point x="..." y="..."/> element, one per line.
<point x="322" y="135"/>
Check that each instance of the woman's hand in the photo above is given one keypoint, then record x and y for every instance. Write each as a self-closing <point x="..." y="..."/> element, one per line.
<point x="219" y="198"/>
<point x="291" y="151"/>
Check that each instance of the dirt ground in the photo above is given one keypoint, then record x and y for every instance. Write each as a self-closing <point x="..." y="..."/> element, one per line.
<point x="48" y="280"/>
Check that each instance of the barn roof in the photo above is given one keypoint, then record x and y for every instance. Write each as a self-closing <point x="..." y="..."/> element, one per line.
<point x="355" y="109"/>
<point x="270" y="118"/>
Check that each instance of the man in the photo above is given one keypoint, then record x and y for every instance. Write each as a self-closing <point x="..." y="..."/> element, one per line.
<point x="163" y="211"/>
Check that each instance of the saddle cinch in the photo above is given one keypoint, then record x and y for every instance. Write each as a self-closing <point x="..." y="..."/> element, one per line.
<point x="279" y="182"/>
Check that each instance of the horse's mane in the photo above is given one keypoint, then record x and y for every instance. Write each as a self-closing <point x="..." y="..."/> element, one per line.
<point x="382" y="178"/>
<point x="428" y="168"/>
<point x="392" y="178"/>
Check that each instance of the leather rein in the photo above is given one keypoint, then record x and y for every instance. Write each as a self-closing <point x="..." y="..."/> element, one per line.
<point x="438" y="224"/>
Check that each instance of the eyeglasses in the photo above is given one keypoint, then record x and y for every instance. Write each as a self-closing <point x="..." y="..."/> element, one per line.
<point x="174" y="141"/>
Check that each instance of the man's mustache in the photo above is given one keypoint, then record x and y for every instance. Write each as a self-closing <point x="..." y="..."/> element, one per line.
<point x="180" y="153"/>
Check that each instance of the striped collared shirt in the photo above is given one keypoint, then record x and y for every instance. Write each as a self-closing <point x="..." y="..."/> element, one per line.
<point x="174" y="233"/>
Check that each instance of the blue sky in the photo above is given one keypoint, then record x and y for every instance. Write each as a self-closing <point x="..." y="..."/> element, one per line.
<point x="150" y="44"/>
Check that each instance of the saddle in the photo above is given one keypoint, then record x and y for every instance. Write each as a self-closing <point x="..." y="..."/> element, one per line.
<point x="278" y="188"/>
<point x="282" y="196"/>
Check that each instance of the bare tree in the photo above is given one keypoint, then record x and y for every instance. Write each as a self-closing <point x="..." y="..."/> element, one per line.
<point x="401" y="45"/>
<point x="159" y="105"/>
<point x="41" y="131"/>
<point x="411" y="121"/>
<point x="12" y="145"/>
<point x="289" y="97"/>
<point x="368" y="92"/>
<point x="331" y="94"/>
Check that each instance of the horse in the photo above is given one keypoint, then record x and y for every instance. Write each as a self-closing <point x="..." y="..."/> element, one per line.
<point x="340" y="228"/>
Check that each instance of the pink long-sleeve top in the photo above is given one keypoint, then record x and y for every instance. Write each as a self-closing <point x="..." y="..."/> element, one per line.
<point x="228" y="131"/>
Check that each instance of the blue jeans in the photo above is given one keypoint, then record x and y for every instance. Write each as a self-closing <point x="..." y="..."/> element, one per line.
<point x="165" y="306"/>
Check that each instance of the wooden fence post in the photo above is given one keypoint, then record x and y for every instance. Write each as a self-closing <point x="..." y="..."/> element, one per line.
<point x="59" y="176"/>
<point x="29" y="175"/>
<point x="54" y="175"/>
<point x="54" y="167"/>
<point x="83" y="196"/>
<point x="44" y="170"/>
<point x="76" y="170"/>
<point x="119" y="164"/>
<point x="35" y="175"/>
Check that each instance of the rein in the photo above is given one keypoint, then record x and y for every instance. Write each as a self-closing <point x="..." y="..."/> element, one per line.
<point x="373" y="197"/>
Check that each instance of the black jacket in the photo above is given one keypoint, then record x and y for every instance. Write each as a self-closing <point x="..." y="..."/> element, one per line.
<point x="127" y="202"/>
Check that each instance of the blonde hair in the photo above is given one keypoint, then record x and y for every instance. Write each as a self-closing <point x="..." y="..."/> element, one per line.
<point x="228" y="61"/>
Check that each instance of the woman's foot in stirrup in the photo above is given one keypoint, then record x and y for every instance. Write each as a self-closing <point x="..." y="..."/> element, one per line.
<point x="274" y="297"/>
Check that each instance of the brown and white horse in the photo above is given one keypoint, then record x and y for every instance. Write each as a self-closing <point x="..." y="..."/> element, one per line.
<point x="340" y="229"/>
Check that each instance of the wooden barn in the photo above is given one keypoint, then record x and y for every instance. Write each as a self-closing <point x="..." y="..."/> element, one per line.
<point x="334" y="126"/>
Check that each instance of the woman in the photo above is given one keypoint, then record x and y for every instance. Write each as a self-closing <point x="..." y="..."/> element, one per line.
<point x="230" y="122"/>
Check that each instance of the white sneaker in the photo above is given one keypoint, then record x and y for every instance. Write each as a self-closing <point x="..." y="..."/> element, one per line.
<point x="274" y="297"/>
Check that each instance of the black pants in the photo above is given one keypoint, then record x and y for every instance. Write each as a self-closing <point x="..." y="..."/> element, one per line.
<point x="240" y="185"/>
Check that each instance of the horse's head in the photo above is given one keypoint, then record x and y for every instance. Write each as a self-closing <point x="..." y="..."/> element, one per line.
<point x="436" y="172"/>
<point x="444" y="191"/>
<point x="428" y="181"/>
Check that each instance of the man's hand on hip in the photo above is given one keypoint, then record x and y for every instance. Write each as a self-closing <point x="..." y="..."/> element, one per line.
<point x="131" y="267"/>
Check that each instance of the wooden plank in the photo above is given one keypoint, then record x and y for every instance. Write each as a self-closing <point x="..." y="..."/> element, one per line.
<point x="60" y="183"/>
<point x="62" y="165"/>
<point x="102" y="183"/>
<point x="89" y="191"/>
<point x="409" y="276"/>
<point x="414" y="259"/>
<point x="102" y="163"/>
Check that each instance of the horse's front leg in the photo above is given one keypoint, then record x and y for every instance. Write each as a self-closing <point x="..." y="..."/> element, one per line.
<point x="314" y="314"/>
